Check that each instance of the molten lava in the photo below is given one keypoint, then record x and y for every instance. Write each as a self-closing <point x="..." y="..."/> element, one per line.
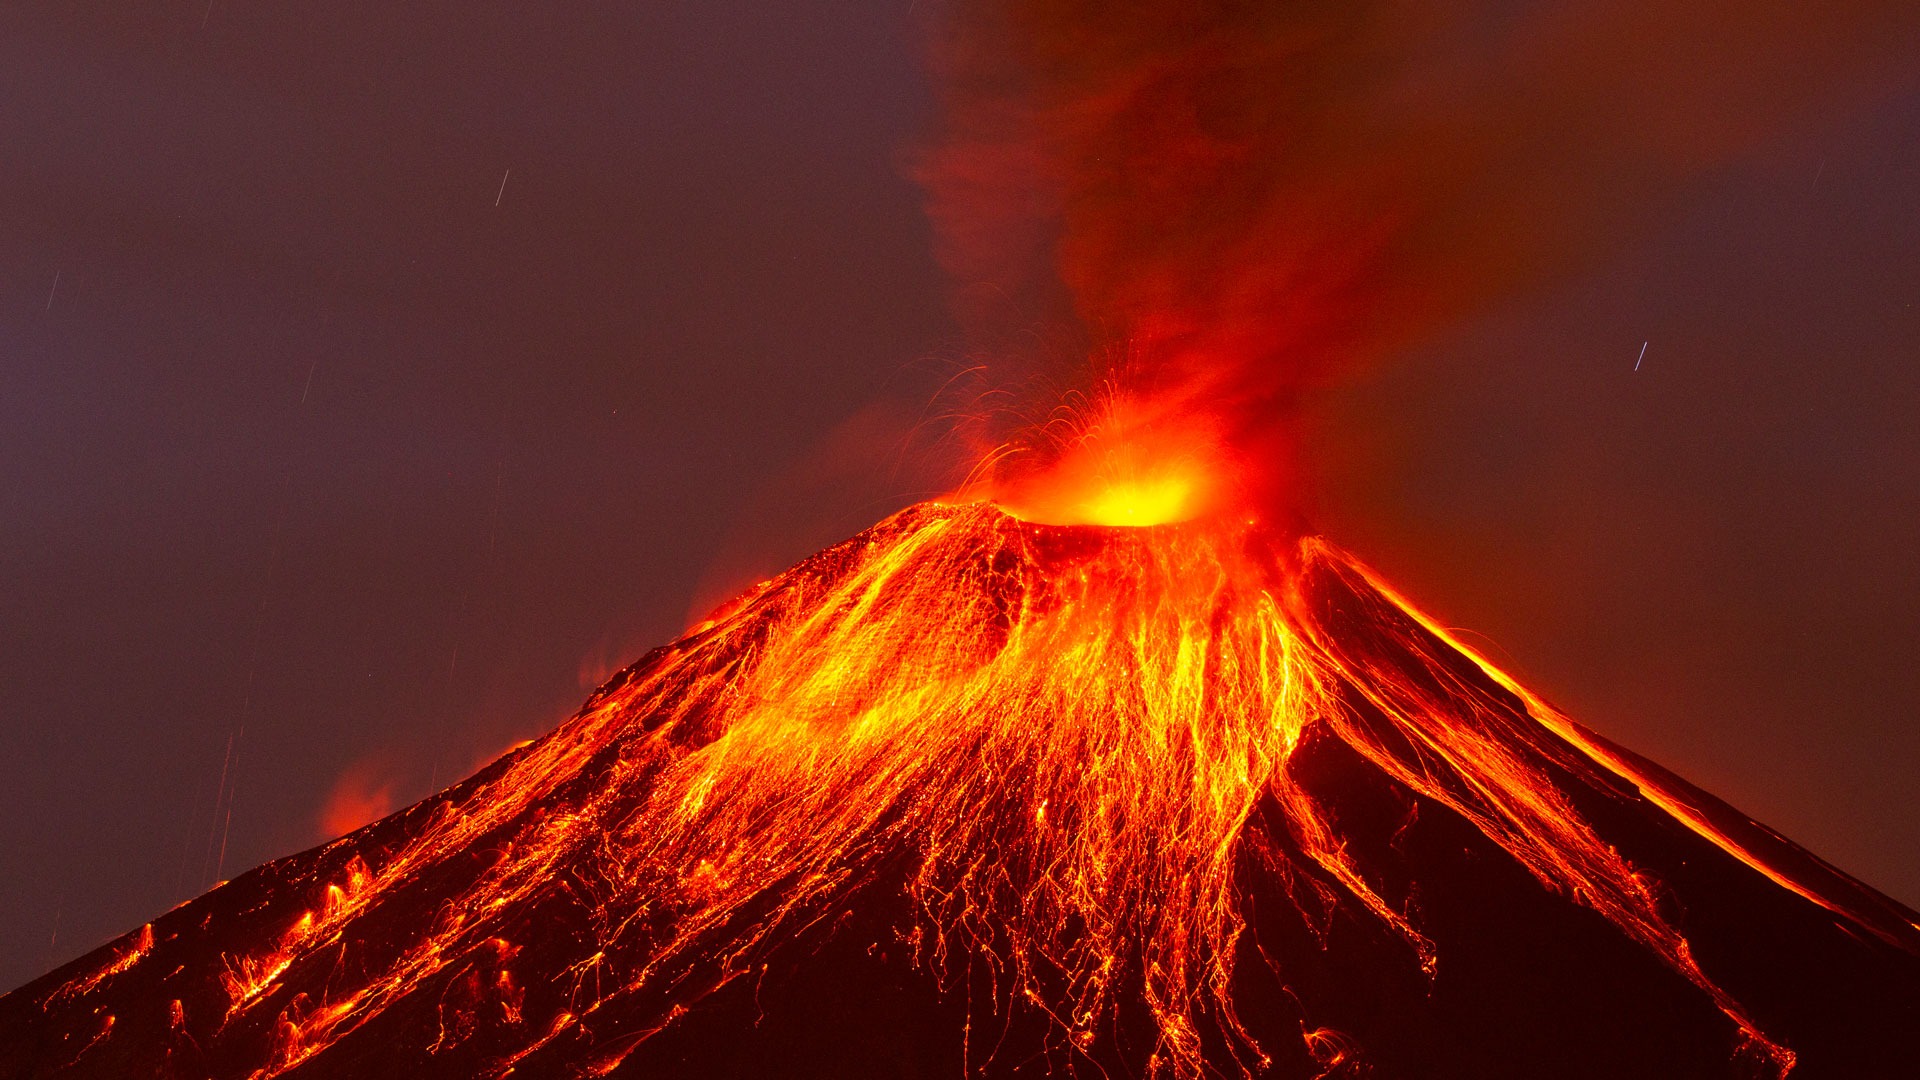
<point x="1157" y="500"/>
<point x="1126" y="461"/>
<point x="1073" y="754"/>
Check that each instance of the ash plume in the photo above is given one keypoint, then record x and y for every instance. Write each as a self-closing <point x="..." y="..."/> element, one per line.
<point x="1226" y="203"/>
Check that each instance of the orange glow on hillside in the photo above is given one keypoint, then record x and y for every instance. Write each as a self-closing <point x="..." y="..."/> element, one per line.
<point x="361" y="794"/>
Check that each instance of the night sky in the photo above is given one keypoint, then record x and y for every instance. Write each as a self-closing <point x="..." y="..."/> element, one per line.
<point x="374" y="382"/>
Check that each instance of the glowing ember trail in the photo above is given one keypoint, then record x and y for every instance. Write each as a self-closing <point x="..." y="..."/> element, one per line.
<point x="1071" y="752"/>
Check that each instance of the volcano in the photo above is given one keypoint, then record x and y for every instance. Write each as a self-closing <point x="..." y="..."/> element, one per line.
<point x="969" y="794"/>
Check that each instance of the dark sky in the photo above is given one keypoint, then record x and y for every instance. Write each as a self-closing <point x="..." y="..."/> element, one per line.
<point x="373" y="381"/>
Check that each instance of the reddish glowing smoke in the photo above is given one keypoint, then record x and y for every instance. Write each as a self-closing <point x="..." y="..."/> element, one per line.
<point x="1229" y="202"/>
<point x="363" y="793"/>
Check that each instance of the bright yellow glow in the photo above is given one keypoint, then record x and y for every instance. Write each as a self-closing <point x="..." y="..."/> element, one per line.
<point x="1125" y="463"/>
<point x="1150" y="502"/>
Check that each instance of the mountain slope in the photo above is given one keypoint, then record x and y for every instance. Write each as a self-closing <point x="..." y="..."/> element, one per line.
<point x="971" y="793"/>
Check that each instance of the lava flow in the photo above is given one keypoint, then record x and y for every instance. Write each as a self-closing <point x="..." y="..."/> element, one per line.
<point x="1194" y="799"/>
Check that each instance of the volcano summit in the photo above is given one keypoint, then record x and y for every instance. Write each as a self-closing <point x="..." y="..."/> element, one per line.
<point x="972" y="795"/>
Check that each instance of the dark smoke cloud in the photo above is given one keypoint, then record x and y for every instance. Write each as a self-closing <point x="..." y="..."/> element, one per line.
<point x="1226" y="203"/>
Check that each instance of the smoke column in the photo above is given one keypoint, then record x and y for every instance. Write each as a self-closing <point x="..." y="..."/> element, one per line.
<point x="1206" y="208"/>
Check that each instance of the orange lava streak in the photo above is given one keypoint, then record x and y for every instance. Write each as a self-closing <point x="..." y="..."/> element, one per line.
<point x="135" y="951"/>
<point x="1060" y="735"/>
<point x="1658" y="788"/>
